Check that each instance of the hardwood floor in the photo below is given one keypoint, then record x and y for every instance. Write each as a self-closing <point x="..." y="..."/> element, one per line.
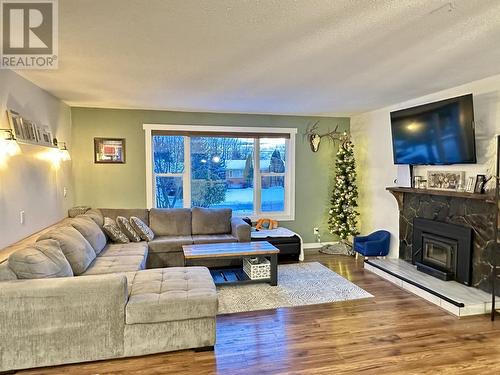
<point x="393" y="333"/>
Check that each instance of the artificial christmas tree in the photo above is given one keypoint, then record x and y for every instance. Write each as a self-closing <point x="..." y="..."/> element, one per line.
<point x="342" y="219"/>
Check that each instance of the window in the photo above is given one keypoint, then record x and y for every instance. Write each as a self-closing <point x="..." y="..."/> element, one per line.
<point x="245" y="170"/>
<point x="168" y="169"/>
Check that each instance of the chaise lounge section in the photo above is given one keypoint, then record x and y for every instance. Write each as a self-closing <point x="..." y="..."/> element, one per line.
<point x="68" y="295"/>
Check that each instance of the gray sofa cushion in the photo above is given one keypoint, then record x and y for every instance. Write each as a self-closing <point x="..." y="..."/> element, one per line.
<point x="114" y="232"/>
<point x="125" y="249"/>
<point x="75" y="247"/>
<point x="125" y="227"/>
<point x="142" y="229"/>
<point x="43" y="259"/>
<point x="211" y="220"/>
<point x="104" y="265"/>
<point x="170" y="221"/>
<point x="214" y="238"/>
<point x="96" y="215"/>
<point x="6" y="272"/>
<point x="170" y="294"/>
<point x="91" y="231"/>
<point x="168" y="244"/>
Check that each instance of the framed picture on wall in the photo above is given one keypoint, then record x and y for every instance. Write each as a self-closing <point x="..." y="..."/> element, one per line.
<point x="109" y="150"/>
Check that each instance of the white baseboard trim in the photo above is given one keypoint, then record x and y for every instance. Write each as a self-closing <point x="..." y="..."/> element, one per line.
<point x="317" y="245"/>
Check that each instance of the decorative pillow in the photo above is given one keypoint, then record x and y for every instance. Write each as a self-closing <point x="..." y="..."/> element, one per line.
<point x="96" y="215"/>
<point x="74" y="246"/>
<point x="43" y="259"/>
<point x="126" y="228"/>
<point x="142" y="229"/>
<point x="78" y="210"/>
<point x="113" y="231"/>
<point x="91" y="231"/>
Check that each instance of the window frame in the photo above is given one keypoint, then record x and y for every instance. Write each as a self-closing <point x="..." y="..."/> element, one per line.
<point x="289" y="209"/>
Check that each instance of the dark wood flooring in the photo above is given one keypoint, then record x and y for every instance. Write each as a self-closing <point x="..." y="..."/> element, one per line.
<point x="393" y="333"/>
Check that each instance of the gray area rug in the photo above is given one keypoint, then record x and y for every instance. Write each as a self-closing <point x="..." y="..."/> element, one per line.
<point x="298" y="284"/>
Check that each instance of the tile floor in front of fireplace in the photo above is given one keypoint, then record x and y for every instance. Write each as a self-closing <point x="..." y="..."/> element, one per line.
<point x="475" y="301"/>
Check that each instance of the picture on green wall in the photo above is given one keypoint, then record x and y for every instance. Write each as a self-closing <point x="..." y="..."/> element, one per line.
<point x="109" y="150"/>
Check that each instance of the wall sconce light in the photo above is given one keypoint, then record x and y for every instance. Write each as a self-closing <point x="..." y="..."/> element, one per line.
<point x="8" y="144"/>
<point x="8" y="134"/>
<point x="63" y="149"/>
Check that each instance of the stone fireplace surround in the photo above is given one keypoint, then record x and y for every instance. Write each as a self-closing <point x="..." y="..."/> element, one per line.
<point x="475" y="211"/>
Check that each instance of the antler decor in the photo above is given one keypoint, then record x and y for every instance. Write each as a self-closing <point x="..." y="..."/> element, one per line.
<point x="315" y="138"/>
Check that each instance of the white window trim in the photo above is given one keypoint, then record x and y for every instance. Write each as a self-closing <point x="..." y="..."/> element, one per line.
<point x="287" y="215"/>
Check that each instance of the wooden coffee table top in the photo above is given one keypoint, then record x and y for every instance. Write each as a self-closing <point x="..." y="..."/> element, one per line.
<point x="228" y="250"/>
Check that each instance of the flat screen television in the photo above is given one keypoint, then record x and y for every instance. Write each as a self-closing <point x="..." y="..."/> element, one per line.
<point x="437" y="133"/>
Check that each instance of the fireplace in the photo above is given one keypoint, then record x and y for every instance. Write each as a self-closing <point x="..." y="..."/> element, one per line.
<point x="443" y="250"/>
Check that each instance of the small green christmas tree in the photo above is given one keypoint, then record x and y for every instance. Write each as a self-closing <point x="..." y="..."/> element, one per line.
<point x="342" y="219"/>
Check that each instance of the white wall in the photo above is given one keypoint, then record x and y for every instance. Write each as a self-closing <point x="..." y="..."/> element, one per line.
<point x="28" y="181"/>
<point x="372" y="139"/>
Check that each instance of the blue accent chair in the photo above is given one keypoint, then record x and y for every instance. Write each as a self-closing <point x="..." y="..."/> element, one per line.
<point x="375" y="244"/>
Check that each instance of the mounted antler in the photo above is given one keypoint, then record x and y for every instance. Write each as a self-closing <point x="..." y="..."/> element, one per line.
<point x="315" y="138"/>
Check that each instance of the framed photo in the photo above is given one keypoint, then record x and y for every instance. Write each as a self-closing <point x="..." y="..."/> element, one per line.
<point x="480" y="182"/>
<point x="109" y="150"/>
<point x="445" y="180"/>
<point x="45" y="136"/>
<point x="29" y="131"/>
<point x="469" y="188"/>
<point x="16" y="124"/>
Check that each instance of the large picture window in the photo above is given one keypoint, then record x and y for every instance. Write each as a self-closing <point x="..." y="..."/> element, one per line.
<point x="247" y="171"/>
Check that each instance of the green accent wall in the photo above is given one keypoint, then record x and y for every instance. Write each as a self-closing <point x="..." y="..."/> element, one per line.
<point x="124" y="185"/>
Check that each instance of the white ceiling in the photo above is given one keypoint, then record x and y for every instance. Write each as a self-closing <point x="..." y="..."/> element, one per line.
<point x="275" y="56"/>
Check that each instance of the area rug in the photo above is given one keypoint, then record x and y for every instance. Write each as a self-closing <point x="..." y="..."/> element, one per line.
<point x="298" y="284"/>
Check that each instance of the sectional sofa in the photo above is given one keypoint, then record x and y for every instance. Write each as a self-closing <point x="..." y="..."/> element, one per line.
<point x="68" y="295"/>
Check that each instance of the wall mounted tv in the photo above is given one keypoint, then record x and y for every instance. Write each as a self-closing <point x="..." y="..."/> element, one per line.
<point x="437" y="133"/>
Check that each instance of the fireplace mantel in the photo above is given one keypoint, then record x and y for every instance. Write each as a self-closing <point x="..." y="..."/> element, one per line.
<point x="446" y="193"/>
<point x="399" y="192"/>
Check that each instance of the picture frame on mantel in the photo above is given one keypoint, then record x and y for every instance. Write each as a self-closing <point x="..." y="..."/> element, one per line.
<point x="480" y="182"/>
<point x="109" y="150"/>
<point x="445" y="180"/>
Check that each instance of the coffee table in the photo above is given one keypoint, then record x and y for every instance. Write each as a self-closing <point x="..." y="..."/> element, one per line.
<point x="236" y="250"/>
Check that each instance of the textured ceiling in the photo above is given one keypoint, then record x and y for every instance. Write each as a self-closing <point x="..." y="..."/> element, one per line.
<point x="275" y="56"/>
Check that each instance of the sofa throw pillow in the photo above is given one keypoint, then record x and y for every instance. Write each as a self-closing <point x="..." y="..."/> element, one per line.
<point x="96" y="215"/>
<point x="125" y="227"/>
<point x="74" y="246"/>
<point x="113" y="231"/>
<point x="142" y="229"/>
<point x="44" y="259"/>
<point x="91" y="231"/>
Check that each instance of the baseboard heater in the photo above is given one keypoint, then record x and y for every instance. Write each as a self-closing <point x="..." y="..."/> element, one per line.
<point x="447" y="299"/>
